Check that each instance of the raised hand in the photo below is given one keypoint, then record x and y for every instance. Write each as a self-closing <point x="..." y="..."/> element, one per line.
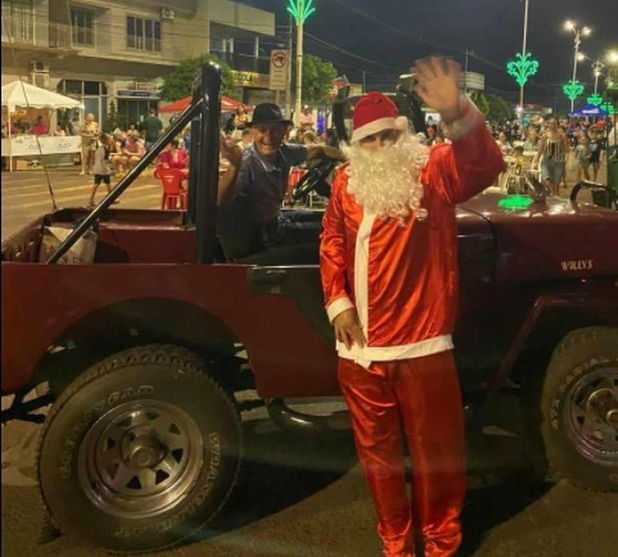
<point x="438" y="86"/>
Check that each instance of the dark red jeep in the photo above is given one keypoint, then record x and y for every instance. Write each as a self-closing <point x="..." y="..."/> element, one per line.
<point x="144" y="344"/>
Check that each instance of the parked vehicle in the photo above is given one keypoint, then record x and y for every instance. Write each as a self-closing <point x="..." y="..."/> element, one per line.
<point x="144" y="347"/>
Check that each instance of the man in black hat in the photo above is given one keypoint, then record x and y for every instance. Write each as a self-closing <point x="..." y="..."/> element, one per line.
<point x="251" y="193"/>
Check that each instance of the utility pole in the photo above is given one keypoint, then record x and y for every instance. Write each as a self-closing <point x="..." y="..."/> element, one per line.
<point x="579" y="33"/>
<point x="300" y="10"/>
<point x="597" y="66"/>
<point x="523" y="54"/>
<point x="299" y="71"/>
<point x="288" y="87"/>
<point x="466" y="73"/>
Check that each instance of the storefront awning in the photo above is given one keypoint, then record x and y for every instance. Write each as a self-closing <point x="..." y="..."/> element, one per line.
<point x="25" y="95"/>
<point x="227" y="105"/>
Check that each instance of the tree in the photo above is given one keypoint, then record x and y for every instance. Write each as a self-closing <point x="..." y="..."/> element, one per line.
<point x="500" y="110"/>
<point x="318" y="77"/>
<point x="113" y="119"/>
<point x="481" y="101"/>
<point x="178" y="83"/>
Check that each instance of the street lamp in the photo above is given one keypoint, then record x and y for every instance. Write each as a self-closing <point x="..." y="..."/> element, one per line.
<point x="579" y="32"/>
<point x="300" y="11"/>
<point x="597" y="68"/>
<point x="524" y="66"/>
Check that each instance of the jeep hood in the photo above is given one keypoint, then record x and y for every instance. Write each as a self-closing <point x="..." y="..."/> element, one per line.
<point x="554" y="239"/>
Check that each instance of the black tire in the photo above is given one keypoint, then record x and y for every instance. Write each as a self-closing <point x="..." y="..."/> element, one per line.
<point x="579" y="391"/>
<point x="115" y="422"/>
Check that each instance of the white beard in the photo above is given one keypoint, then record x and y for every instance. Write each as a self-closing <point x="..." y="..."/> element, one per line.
<point x="386" y="182"/>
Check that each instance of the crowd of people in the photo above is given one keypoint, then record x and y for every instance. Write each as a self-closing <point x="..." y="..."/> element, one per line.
<point x="545" y="147"/>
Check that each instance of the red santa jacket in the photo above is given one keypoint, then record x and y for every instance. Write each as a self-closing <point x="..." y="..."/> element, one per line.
<point x="403" y="280"/>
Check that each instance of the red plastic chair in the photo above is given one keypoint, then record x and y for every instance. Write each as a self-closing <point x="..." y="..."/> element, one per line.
<point x="174" y="196"/>
<point x="295" y="176"/>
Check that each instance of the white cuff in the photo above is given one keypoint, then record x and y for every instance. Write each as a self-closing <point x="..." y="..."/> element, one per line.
<point x="338" y="306"/>
<point x="471" y="118"/>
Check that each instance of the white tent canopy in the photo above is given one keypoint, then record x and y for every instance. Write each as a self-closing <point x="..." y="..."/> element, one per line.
<point x="25" y="95"/>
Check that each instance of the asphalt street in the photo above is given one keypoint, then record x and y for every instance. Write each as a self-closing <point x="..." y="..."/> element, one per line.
<point x="25" y="194"/>
<point x="305" y="497"/>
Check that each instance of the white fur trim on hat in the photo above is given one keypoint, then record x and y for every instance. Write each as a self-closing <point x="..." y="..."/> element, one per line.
<point x="400" y="123"/>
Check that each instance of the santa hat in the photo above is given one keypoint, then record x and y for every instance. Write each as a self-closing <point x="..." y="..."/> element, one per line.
<point x="374" y="113"/>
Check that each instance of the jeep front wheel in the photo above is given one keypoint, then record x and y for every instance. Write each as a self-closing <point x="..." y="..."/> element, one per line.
<point x="579" y="405"/>
<point x="140" y="451"/>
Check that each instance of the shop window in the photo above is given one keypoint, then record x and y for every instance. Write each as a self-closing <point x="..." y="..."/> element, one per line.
<point x="82" y="27"/>
<point x="143" y="34"/>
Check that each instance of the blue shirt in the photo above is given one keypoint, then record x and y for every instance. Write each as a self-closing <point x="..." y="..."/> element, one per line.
<point x="264" y="184"/>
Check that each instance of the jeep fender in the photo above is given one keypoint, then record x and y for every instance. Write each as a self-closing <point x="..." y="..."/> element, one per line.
<point x="551" y="318"/>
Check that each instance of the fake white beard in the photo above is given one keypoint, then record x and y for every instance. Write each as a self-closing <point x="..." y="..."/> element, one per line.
<point x="386" y="182"/>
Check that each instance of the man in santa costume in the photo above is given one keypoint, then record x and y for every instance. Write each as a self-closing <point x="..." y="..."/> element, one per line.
<point x="389" y="271"/>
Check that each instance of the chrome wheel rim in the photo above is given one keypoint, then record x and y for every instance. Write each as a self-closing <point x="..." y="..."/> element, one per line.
<point x="591" y="414"/>
<point x="140" y="459"/>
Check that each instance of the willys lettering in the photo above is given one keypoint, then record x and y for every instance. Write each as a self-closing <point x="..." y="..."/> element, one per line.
<point x="578" y="265"/>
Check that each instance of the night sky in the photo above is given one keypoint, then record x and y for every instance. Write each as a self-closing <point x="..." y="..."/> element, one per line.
<point x="398" y="31"/>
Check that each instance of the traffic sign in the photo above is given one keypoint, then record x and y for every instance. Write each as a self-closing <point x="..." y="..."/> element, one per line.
<point x="279" y="66"/>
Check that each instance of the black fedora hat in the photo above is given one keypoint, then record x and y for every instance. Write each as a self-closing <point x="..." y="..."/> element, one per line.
<point x="268" y="113"/>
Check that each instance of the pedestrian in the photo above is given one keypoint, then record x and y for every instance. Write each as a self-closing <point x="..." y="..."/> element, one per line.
<point x="40" y="127"/>
<point x="175" y="158"/>
<point x="151" y="128"/>
<point x="553" y="149"/>
<point x="75" y="125"/>
<point x="532" y="142"/>
<point x="133" y="148"/>
<point x="582" y="156"/>
<point x="117" y="156"/>
<point x="504" y="144"/>
<point x="596" y="148"/>
<point x="247" y="139"/>
<point x="102" y="168"/>
<point x="89" y="130"/>
<point x="306" y="119"/>
<point x="389" y="271"/>
<point x="186" y="139"/>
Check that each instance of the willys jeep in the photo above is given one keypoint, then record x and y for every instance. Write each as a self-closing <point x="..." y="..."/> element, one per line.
<point x="144" y="346"/>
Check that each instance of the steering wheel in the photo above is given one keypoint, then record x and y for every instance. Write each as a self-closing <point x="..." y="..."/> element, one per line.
<point x="315" y="180"/>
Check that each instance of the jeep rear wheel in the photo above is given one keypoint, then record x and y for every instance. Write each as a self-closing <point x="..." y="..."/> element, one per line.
<point x="140" y="451"/>
<point x="579" y="405"/>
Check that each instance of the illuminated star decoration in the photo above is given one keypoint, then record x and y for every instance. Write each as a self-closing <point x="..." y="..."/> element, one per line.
<point x="595" y="99"/>
<point x="300" y="9"/>
<point x="573" y="89"/>
<point x="515" y="202"/>
<point x="522" y="68"/>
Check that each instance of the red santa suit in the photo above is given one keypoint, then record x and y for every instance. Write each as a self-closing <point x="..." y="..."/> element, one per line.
<point x="402" y="281"/>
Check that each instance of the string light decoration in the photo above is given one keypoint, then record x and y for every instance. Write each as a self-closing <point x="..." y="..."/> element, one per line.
<point x="595" y="99"/>
<point x="573" y="89"/>
<point x="300" y="10"/>
<point x="522" y="67"/>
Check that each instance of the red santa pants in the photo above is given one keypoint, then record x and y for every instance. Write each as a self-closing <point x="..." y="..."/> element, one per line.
<point x="418" y="400"/>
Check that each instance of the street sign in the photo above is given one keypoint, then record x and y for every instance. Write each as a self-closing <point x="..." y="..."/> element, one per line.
<point x="473" y="81"/>
<point x="279" y="65"/>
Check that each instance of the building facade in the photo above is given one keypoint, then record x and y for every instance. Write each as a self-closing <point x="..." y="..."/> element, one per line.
<point x="116" y="51"/>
